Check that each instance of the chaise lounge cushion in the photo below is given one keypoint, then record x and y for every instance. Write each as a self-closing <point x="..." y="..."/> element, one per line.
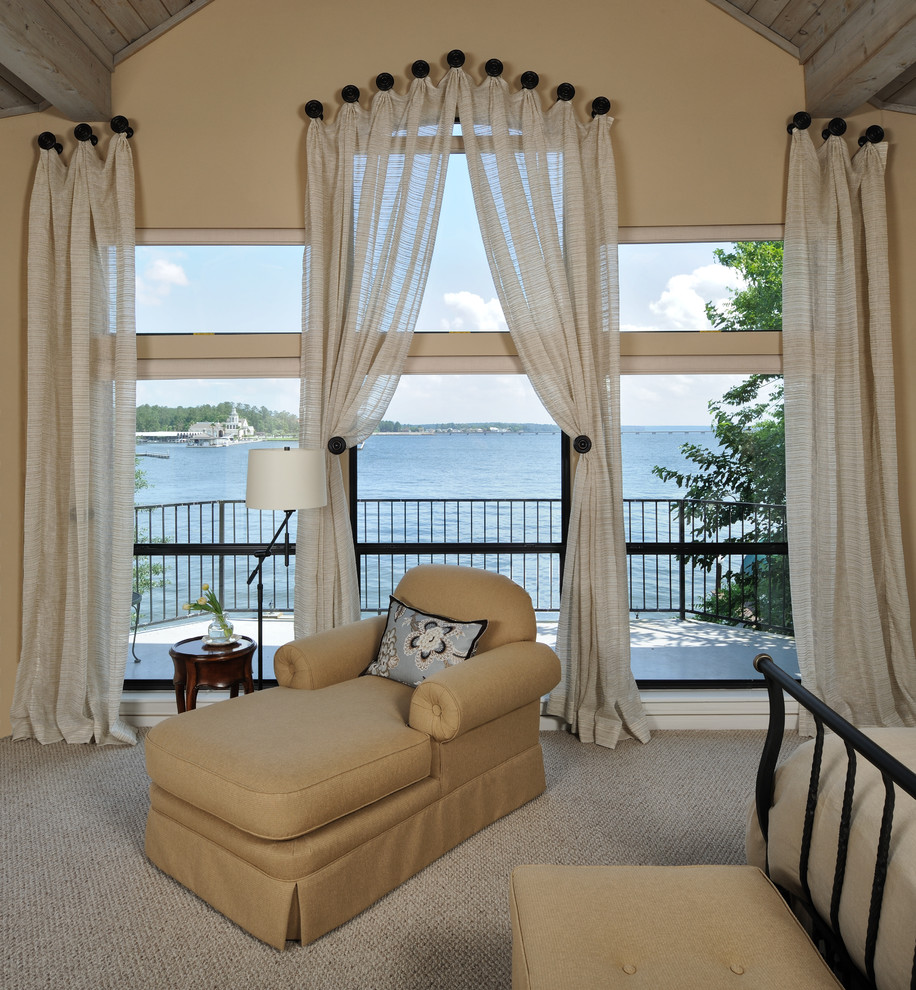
<point x="282" y="762"/>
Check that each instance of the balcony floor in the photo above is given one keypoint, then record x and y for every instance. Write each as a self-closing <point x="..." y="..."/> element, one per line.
<point x="669" y="650"/>
<point x="664" y="650"/>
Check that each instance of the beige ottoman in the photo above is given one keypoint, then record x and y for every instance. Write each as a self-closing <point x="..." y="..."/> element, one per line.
<point x="657" y="927"/>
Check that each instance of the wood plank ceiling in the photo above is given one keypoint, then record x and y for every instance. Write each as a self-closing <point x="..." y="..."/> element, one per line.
<point x="853" y="51"/>
<point x="62" y="53"/>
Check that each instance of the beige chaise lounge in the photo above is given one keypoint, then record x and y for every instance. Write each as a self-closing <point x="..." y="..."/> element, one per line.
<point x="292" y="809"/>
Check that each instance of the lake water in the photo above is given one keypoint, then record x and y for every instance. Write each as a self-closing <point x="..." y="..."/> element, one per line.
<point x="457" y="466"/>
<point x="502" y="465"/>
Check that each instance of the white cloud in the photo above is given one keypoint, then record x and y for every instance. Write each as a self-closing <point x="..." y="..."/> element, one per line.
<point x="678" y="400"/>
<point x="682" y="305"/>
<point x="158" y="279"/>
<point x="468" y="311"/>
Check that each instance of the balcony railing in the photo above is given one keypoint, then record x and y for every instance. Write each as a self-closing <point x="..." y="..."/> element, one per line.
<point x="521" y="538"/>
<point x="683" y="556"/>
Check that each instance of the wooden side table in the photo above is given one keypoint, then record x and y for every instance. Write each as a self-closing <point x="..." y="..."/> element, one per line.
<point x="197" y="666"/>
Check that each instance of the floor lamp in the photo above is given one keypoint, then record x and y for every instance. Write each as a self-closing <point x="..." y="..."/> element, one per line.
<point x="286" y="478"/>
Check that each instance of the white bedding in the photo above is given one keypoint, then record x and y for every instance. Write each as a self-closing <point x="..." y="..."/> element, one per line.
<point x="897" y="931"/>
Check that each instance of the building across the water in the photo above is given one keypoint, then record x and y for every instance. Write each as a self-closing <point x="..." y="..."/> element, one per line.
<point x="219" y="434"/>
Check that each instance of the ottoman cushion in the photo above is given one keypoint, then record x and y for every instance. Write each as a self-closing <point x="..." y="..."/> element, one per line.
<point x="283" y="762"/>
<point x="658" y="927"/>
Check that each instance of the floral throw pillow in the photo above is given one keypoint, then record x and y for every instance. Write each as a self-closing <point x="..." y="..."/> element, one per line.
<point x="417" y="644"/>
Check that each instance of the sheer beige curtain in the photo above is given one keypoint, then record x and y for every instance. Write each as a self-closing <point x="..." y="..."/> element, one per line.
<point x="849" y="595"/>
<point x="80" y="449"/>
<point x="545" y="189"/>
<point x="374" y="191"/>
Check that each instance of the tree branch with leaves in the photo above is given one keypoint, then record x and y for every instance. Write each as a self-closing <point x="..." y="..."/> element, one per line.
<point x="736" y="492"/>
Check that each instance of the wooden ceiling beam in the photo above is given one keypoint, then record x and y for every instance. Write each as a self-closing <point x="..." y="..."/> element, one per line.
<point x="739" y="14"/>
<point x="867" y="52"/>
<point x="42" y="50"/>
<point x="186" y="11"/>
<point x="900" y="95"/>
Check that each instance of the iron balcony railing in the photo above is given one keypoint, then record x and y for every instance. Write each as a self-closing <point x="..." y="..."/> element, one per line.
<point x="180" y="546"/>
<point x="687" y="557"/>
<point x="717" y="560"/>
<point x="521" y="538"/>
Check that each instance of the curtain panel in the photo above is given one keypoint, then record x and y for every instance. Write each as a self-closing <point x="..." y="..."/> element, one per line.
<point x="849" y="592"/>
<point x="373" y="194"/>
<point x="546" y="196"/>
<point x="545" y="192"/>
<point x="79" y="489"/>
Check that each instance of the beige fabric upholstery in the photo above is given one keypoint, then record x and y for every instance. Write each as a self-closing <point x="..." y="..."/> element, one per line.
<point x="897" y="930"/>
<point x="657" y="928"/>
<point x="474" y="692"/>
<point x="329" y="657"/>
<point x="287" y="762"/>
<point x="292" y="809"/>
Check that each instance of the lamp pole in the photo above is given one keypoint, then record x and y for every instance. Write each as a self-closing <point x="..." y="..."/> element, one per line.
<point x="262" y="555"/>
<point x="277" y="478"/>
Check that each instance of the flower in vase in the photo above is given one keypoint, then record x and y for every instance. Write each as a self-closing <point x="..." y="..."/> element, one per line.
<point x="208" y="602"/>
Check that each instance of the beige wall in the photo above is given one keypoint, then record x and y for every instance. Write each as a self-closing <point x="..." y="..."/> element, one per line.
<point x="700" y="104"/>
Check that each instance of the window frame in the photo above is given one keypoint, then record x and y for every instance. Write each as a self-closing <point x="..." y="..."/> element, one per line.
<point x="276" y="355"/>
<point x="163" y="356"/>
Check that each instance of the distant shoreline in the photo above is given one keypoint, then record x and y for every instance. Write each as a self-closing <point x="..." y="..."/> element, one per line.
<point x="476" y="431"/>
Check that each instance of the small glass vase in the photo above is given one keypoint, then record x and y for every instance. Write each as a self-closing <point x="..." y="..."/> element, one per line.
<point x="220" y="632"/>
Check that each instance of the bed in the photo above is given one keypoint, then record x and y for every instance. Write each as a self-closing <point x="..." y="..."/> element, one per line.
<point x="834" y="826"/>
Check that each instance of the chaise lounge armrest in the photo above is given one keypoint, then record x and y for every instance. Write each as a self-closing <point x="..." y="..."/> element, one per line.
<point x="329" y="657"/>
<point x="460" y="698"/>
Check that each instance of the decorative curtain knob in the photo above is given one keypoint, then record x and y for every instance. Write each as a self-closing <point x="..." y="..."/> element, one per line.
<point x="337" y="445"/>
<point x="121" y="125"/>
<point x="836" y="127"/>
<point x="582" y="444"/>
<point x="83" y="132"/>
<point x="801" y="120"/>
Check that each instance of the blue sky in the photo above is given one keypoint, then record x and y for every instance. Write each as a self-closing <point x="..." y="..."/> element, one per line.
<point x="250" y="289"/>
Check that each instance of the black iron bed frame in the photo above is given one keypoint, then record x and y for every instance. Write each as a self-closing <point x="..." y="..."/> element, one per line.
<point x="826" y="932"/>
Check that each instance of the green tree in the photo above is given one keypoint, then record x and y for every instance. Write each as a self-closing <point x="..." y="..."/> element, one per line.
<point x="163" y="418"/>
<point x="748" y="466"/>
<point x="737" y="491"/>
<point x="757" y="305"/>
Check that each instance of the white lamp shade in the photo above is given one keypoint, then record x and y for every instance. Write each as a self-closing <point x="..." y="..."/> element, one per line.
<point x="286" y="478"/>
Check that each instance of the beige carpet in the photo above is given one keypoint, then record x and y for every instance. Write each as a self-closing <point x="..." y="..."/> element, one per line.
<point x="80" y="907"/>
